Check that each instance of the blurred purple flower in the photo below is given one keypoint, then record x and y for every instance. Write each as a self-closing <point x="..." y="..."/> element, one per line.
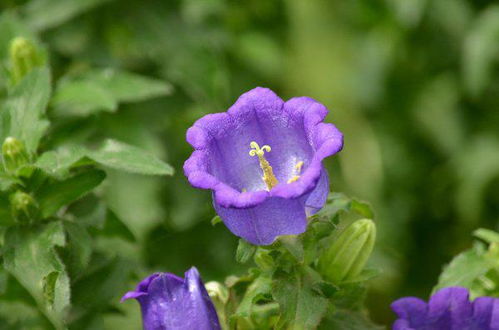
<point x="169" y="302"/>
<point x="448" y="309"/>
<point x="263" y="161"/>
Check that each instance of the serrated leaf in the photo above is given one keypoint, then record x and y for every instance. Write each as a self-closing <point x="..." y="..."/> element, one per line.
<point x="124" y="157"/>
<point x="26" y="106"/>
<point x="52" y="196"/>
<point x="465" y="269"/>
<point x="30" y="257"/>
<point x="260" y="287"/>
<point x="244" y="251"/>
<point x="302" y="307"/>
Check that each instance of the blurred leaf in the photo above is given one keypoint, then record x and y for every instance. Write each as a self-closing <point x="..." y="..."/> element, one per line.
<point x="128" y="87"/>
<point x="57" y="163"/>
<point x="481" y="49"/>
<point x="102" y="90"/>
<point x="55" y="195"/>
<point x="78" y="249"/>
<point x="487" y="235"/>
<point x="26" y="105"/>
<point x="82" y="98"/>
<point x="29" y="256"/>
<point x="113" y="226"/>
<point x="124" y="157"/>
<point x="244" y="251"/>
<point x="45" y="14"/>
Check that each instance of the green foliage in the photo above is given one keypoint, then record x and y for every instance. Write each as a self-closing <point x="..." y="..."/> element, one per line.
<point x="477" y="268"/>
<point x="411" y="84"/>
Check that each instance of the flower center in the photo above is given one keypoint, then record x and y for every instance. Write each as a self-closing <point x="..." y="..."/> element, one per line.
<point x="298" y="168"/>
<point x="268" y="174"/>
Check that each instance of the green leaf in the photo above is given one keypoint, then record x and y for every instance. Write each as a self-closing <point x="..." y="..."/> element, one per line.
<point x="244" y="251"/>
<point x="45" y="14"/>
<point x="124" y="157"/>
<point x="302" y="307"/>
<point x="26" y="107"/>
<point x="30" y="257"/>
<point x="51" y="197"/>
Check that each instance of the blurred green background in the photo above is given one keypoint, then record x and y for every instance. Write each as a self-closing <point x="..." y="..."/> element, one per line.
<point x="412" y="84"/>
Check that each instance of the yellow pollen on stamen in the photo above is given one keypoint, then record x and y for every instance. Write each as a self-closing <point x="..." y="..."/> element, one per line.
<point x="298" y="168"/>
<point x="268" y="174"/>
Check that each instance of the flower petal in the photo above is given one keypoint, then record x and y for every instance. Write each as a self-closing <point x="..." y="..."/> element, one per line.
<point x="261" y="225"/>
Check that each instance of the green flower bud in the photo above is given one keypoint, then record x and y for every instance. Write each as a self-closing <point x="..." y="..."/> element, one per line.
<point x="219" y="295"/>
<point x="14" y="154"/>
<point x="24" y="207"/>
<point x="23" y="58"/>
<point x="347" y="255"/>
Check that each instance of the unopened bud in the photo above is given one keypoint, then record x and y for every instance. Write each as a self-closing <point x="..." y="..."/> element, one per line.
<point x="23" y="58"/>
<point x="219" y="295"/>
<point x="24" y="207"/>
<point x="14" y="154"/>
<point x="348" y="254"/>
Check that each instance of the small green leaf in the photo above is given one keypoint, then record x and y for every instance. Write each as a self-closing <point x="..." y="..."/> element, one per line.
<point x="52" y="196"/>
<point x="57" y="163"/>
<point x="244" y="251"/>
<point x="216" y="219"/>
<point x="124" y="157"/>
<point x="30" y="257"/>
<point x="487" y="235"/>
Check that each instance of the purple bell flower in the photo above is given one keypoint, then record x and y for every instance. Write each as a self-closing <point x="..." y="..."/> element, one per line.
<point x="262" y="159"/>
<point x="169" y="302"/>
<point x="448" y="309"/>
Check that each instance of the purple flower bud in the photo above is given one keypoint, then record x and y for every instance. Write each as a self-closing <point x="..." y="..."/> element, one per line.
<point x="448" y="308"/>
<point x="262" y="159"/>
<point x="169" y="302"/>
